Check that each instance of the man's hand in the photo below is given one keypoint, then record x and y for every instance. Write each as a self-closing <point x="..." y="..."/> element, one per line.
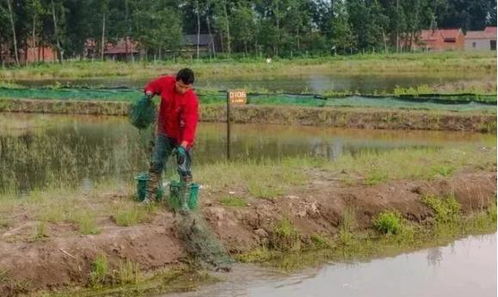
<point x="181" y="154"/>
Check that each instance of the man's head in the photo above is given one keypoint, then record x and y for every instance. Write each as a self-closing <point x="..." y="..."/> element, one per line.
<point x="184" y="80"/>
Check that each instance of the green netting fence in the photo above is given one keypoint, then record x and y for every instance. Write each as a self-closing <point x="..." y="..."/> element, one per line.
<point x="465" y="102"/>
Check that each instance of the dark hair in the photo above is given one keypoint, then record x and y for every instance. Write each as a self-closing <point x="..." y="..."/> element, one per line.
<point x="186" y="75"/>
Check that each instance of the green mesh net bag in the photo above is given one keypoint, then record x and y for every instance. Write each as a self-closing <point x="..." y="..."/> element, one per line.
<point x="201" y="243"/>
<point x="142" y="113"/>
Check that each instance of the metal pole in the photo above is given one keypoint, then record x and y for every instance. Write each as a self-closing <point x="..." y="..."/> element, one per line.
<point x="228" y="125"/>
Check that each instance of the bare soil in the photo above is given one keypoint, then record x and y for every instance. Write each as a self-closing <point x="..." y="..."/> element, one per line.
<point x="64" y="258"/>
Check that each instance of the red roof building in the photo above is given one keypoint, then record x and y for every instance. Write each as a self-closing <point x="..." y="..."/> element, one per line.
<point x="440" y="40"/>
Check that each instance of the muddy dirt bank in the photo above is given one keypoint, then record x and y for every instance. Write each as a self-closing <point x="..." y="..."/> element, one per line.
<point x="64" y="258"/>
<point x="363" y="118"/>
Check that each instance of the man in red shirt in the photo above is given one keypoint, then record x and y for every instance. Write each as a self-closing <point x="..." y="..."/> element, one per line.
<point x="176" y="126"/>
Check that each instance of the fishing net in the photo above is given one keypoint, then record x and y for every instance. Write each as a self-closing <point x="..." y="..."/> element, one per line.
<point x="201" y="243"/>
<point x="142" y="113"/>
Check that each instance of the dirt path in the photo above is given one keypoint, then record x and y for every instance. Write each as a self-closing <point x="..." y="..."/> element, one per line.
<point x="64" y="260"/>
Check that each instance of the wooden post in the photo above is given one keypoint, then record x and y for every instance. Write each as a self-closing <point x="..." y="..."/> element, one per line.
<point x="228" y="126"/>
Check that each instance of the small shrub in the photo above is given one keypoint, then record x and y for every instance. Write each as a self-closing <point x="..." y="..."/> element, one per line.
<point x="446" y="209"/>
<point x="389" y="222"/>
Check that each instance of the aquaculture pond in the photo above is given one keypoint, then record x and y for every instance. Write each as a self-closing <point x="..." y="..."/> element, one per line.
<point x="39" y="151"/>
<point x="466" y="267"/>
<point x="364" y="83"/>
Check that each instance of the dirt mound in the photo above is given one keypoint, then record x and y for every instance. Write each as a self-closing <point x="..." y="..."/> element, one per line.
<point x="60" y="261"/>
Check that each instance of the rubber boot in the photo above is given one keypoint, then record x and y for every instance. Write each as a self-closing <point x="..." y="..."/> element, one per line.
<point x="151" y="190"/>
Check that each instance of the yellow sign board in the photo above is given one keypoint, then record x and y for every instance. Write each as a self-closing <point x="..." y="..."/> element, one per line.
<point x="237" y="97"/>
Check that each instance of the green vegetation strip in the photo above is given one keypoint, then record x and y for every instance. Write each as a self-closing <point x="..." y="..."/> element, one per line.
<point x="444" y="63"/>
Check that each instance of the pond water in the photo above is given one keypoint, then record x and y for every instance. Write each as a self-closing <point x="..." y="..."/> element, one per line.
<point x="314" y="83"/>
<point x="38" y="150"/>
<point x="466" y="267"/>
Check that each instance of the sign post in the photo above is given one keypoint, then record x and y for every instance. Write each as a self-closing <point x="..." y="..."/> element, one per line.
<point x="233" y="97"/>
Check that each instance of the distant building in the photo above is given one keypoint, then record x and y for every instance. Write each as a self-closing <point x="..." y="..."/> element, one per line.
<point x="122" y="49"/>
<point x="37" y="53"/>
<point x="481" y="40"/>
<point x="29" y="53"/>
<point x="440" y="40"/>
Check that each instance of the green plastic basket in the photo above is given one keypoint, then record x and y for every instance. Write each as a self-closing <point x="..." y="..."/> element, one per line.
<point x="142" y="180"/>
<point x="175" y="195"/>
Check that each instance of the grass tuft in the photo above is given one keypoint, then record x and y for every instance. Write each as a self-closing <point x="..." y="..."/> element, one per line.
<point x="389" y="222"/>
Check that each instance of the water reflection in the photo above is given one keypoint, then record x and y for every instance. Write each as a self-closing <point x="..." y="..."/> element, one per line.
<point x="364" y="83"/>
<point x="465" y="268"/>
<point x="39" y="150"/>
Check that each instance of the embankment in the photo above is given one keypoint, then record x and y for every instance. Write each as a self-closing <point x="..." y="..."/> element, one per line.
<point x="364" y="118"/>
<point x="317" y="208"/>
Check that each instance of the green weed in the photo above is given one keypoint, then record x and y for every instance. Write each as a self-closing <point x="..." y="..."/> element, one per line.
<point x="100" y="271"/>
<point x="40" y="231"/>
<point x="284" y="236"/>
<point x="389" y="222"/>
<point x="446" y="209"/>
<point x="132" y="215"/>
<point x="86" y="222"/>
<point x="128" y="273"/>
<point x="347" y="226"/>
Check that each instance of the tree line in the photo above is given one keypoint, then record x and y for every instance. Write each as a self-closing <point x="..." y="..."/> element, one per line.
<point x="262" y="27"/>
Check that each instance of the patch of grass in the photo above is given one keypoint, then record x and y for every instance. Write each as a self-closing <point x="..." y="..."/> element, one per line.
<point x="264" y="191"/>
<point x="133" y="215"/>
<point x="40" y="231"/>
<point x="86" y="222"/>
<point x="389" y="222"/>
<point x="446" y="209"/>
<point x="100" y="271"/>
<point x="284" y="236"/>
<point x="128" y="273"/>
<point x="376" y="177"/>
<point x="180" y="279"/>
<point x="347" y="225"/>
<point x="443" y="170"/>
<point x="233" y="201"/>
<point x="257" y="255"/>
<point x="319" y="241"/>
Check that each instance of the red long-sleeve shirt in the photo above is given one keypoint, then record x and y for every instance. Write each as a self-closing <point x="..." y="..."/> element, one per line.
<point x="178" y="113"/>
